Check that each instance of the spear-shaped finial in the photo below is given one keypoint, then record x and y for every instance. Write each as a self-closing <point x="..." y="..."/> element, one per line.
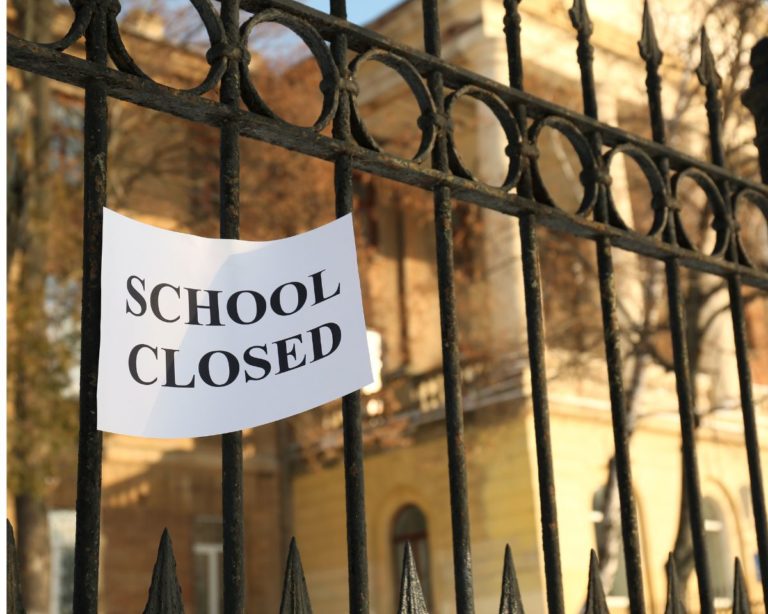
<point x="674" y="602"/>
<point x="411" y="595"/>
<point x="596" y="603"/>
<point x="707" y="71"/>
<point x="649" y="46"/>
<point x="740" y="595"/>
<point x="295" y="594"/>
<point x="511" y="602"/>
<point x="580" y="18"/>
<point x="164" y="592"/>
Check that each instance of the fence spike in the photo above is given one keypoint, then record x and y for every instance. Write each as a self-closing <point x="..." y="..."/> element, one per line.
<point x="511" y="602"/>
<point x="411" y="596"/>
<point x="596" y="603"/>
<point x="13" y="600"/>
<point x="740" y="595"/>
<point x="649" y="45"/>
<point x="707" y="71"/>
<point x="295" y="594"/>
<point x="164" y="592"/>
<point x="580" y="18"/>
<point x="674" y="602"/>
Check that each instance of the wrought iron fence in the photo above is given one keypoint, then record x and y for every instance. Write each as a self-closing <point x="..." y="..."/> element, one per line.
<point x="437" y="86"/>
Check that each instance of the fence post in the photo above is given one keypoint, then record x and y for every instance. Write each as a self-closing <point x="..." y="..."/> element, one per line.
<point x="756" y="100"/>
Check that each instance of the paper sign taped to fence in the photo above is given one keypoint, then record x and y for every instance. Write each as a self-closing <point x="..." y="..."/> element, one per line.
<point x="205" y="336"/>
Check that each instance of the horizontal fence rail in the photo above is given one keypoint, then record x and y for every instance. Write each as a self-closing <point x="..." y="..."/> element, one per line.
<point x="340" y="50"/>
<point x="68" y="69"/>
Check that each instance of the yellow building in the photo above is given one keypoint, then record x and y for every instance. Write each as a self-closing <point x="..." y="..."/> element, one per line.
<point x="406" y="467"/>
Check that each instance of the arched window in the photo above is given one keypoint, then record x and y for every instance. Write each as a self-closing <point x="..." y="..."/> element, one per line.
<point x="718" y="551"/>
<point x="618" y="593"/>
<point x="410" y="525"/>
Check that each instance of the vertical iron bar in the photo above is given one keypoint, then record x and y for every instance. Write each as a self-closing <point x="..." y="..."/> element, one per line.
<point x="611" y="332"/>
<point x="708" y="77"/>
<point x="535" y="325"/>
<point x="611" y="336"/>
<point x="650" y="52"/>
<point x="454" y="418"/>
<point x="750" y="429"/>
<point x="85" y="598"/>
<point x="229" y="227"/>
<point x="351" y="407"/>
<point x="619" y="417"/>
<point x="678" y="327"/>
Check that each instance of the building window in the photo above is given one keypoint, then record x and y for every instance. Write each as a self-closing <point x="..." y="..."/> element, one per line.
<point x="208" y="553"/>
<point x="718" y="552"/>
<point x="410" y="525"/>
<point x="61" y="530"/>
<point x="617" y="594"/>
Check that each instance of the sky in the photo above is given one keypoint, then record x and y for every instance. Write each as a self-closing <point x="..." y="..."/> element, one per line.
<point x="286" y="46"/>
<point x="279" y="45"/>
<point x="358" y="11"/>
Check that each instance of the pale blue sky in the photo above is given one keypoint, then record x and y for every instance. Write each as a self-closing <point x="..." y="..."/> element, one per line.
<point x="277" y="46"/>
<point x="358" y="11"/>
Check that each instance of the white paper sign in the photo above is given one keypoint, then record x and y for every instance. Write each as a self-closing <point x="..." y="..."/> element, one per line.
<point x="205" y="336"/>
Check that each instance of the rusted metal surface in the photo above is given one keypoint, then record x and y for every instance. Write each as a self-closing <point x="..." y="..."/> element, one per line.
<point x="164" y="591"/>
<point x="535" y="328"/>
<point x="411" y="596"/>
<point x="88" y="504"/>
<point x="611" y="333"/>
<point x="34" y="57"/>
<point x="511" y="601"/>
<point x="454" y="411"/>
<point x="295" y="598"/>
<point x="229" y="57"/>
<point x="351" y="407"/>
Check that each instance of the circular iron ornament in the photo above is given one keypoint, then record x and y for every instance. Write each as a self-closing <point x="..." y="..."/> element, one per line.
<point x="659" y="196"/>
<point x="84" y="10"/>
<point x="216" y="35"/>
<point x="412" y="78"/>
<point x="513" y="150"/>
<point x="720" y="220"/>
<point x="589" y="173"/>
<point x="322" y="54"/>
<point x="760" y="201"/>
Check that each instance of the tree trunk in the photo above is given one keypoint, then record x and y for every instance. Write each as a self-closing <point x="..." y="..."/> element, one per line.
<point x="26" y="252"/>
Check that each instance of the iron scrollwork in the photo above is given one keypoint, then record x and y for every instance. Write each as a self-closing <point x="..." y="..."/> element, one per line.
<point x="725" y="192"/>
<point x="322" y="54"/>
<point x="721" y="222"/>
<point x="412" y="78"/>
<point x="513" y="150"/>
<point x="659" y="195"/>
<point x="580" y="144"/>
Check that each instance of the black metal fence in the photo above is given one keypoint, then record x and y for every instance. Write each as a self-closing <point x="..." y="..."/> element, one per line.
<point x="436" y="85"/>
